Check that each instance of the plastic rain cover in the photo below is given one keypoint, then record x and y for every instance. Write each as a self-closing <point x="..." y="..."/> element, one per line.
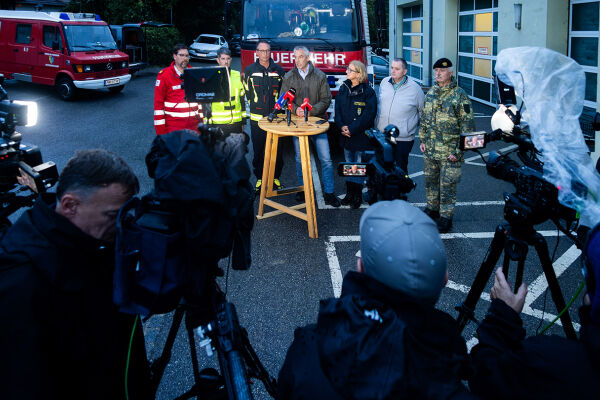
<point x="552" y="86"/>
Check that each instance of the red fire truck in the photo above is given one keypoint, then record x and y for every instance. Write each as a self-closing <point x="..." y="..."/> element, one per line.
<point x="333" y="30"/>
<point x="67" y="50"/>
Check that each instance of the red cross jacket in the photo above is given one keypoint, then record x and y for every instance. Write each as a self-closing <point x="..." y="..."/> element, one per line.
<point x="171" y="111"/>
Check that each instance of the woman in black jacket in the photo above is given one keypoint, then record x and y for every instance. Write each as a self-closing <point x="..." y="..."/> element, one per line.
<point x="355" y="112"/>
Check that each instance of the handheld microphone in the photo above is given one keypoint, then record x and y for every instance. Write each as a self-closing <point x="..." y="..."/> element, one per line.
<point x="305" y="104"/>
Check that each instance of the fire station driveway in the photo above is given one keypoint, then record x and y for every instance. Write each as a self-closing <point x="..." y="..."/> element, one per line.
<point x="290" y="271"/>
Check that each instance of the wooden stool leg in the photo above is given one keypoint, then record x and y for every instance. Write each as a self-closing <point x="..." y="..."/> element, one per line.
<point x="265" y="174"/>
<point x="273" y="161"/>
<point x="308" y="189"/>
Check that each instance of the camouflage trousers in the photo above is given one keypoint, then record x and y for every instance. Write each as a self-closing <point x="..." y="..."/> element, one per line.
<point x="441" y="178"/>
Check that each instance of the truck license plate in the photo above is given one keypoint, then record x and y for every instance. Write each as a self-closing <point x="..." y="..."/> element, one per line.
<point x="110" y="82"/>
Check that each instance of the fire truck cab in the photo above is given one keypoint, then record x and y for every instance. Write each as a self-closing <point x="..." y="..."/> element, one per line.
<point x="67" y="50"/>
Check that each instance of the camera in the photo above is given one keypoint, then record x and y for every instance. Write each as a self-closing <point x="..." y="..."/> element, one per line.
<point x="385" y="180"/>
<point x="535" y="200"/>
<point x="21" y="166"/>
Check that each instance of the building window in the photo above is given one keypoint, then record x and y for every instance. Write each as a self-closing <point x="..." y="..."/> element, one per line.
<point x="477" y="48"/>
<point x="583" y="44"/>
<point x="412" y="41"/>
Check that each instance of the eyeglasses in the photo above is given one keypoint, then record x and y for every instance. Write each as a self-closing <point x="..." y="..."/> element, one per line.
<point x="183" y="55"/>
<point x="351" y="70"/>
<point x="263" y="51"/>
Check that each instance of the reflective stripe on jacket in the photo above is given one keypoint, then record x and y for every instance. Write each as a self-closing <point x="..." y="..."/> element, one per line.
<point x="229" y="112"/>
<point x="171" y="111"/>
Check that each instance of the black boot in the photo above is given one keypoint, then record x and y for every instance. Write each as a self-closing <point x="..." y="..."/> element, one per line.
<point x="434" y="215"/>
<point x="356" y="195"/>
<point x="444" y="224"/>
<point x="347" y="200"/>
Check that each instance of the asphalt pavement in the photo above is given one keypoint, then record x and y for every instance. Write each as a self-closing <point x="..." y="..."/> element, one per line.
<point x="290" y="271"/>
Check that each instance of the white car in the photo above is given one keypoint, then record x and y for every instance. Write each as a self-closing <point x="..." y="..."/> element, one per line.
<point x="205" y="46"/>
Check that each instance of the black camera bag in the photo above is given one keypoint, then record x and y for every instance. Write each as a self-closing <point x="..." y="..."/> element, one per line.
<point x="201" y="210"/>
<point x="151" y="264"/>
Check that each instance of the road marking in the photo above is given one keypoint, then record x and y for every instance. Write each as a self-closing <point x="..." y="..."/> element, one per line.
<point x="538" y="286"/>
<point x="535" y="288"/>
<point x="416" y="155"/>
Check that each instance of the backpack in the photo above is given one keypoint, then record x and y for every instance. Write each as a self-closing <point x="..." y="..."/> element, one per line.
<point x="169" y="242"/>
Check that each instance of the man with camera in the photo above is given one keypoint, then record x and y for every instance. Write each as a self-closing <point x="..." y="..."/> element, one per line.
<point x="508" y="365"/>
<point x="61" y="335"/>
<point x="447" y="113"/>
<point x="262" y="81"/>
<point x="311" y="83"/>
<point x="171" y="111"/>
<point x="383" y="338"/>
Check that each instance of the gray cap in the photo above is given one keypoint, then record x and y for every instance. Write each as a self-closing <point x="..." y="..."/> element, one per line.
<point x="401" y="247"/>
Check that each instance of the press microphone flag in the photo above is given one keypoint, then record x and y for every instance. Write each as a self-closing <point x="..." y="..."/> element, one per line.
<point x="283" y="100"/>
<point x="306" y="104"/>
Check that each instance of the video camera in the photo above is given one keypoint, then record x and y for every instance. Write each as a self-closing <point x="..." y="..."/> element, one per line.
<point x="386" y="181"/>
<point x="21" y="165"/>
<point x="535" y="200"/>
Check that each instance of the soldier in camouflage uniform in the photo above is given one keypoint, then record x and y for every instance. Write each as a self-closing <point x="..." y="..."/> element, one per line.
<point x="446" y="114"/>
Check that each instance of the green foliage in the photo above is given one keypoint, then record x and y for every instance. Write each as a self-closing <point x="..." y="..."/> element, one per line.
<point x="160" y="42"/>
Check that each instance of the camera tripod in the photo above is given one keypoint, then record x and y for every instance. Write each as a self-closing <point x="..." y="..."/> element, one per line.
<point x="514" y="242"/>
<point x="231" y="343"/>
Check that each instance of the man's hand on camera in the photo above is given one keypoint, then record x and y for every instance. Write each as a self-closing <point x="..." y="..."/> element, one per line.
<point x="502" y="291"/>
<point x="422" y="147"/>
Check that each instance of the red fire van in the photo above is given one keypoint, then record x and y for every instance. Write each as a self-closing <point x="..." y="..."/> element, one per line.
<point x="68" y="50"/>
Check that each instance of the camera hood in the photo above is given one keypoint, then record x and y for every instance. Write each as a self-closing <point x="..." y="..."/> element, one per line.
<point x="552" y="86"/>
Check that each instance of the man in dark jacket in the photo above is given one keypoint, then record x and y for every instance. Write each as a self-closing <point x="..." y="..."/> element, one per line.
<point x="61" y="336"/>
<point x="509" y="366"/>
<point x="262" y="81"/>
<point x="311" y="83"/>
<point x="383" y="338"/>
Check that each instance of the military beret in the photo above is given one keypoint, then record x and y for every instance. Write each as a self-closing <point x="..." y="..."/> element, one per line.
<point x="442" y="63"/>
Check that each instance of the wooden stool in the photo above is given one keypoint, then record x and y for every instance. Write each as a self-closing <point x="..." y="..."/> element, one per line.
<point x="302" y="130"/>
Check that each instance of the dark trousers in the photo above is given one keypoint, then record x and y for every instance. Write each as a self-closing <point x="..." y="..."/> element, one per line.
<point x="401" y="154"/>
<point x="259" y="138"/>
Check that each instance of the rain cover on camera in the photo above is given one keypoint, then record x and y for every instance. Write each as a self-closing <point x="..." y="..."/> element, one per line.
<point x="552" y="87"/>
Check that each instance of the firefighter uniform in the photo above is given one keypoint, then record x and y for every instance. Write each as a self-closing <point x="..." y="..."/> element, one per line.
<point x="228" y="115"/>
<point x="171" y="111"/>
<point x="262" y="90"/>
<point x="447" y="113"/>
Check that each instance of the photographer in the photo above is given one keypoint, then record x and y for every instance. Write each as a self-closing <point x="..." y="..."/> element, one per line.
<point x="507" y="365"/>
<point x="61" y="335"/>
<point x="383" y="338"/>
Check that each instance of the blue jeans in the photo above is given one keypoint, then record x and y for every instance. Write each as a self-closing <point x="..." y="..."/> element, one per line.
<point x="322" y="145"/>
<point x="356" y="157"/>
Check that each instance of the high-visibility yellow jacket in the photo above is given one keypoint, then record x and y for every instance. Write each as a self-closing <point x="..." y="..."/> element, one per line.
<point x="230" y="112"/>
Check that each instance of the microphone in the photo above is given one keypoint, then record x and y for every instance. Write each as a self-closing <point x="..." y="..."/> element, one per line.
<point x="289" y="113"/>
<point x="305" y="104"/>
<point x="283" y="100"/>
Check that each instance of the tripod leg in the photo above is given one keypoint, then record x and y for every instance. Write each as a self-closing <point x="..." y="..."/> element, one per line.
<point x="193" y="353"/>
<point x="519" y="277"/>
<point x="158" y="366"/>
<point x="542" y="249"/>
<point x="257" y="369"/>
<point x="466" y="310"/>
